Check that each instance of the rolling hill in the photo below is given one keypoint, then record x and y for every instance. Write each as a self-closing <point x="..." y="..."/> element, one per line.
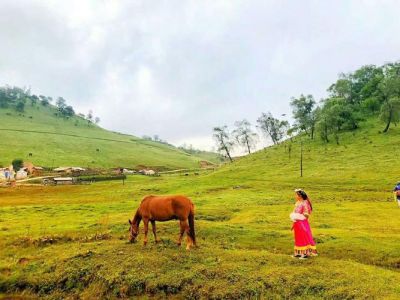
<point x="55" y="141"/>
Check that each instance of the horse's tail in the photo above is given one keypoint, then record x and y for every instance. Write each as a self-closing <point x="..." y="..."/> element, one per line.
<point x="191" y="225"/>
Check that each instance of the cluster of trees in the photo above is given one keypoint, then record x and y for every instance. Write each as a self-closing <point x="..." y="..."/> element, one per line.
<point x="17" y="98"/>
<point x="243" y="135"/>
<point x="369" y="91"/>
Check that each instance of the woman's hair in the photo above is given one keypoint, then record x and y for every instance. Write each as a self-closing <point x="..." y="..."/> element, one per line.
<point x="303" y="195"/>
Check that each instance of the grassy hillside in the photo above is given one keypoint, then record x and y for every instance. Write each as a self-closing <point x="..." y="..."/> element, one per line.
<point x="56" y="141"/>
<point x="72" y="240"/>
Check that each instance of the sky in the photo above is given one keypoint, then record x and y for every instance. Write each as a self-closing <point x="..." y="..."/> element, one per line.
<point x="179" y="68"/>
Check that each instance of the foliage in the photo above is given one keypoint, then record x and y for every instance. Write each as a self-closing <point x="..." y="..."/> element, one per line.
<point x="274" y="128"/>
<point x="303" y="113"/>
<point x="17" y="164"/>
<point x="223" y="140"/>
<point x="244" y="135"/>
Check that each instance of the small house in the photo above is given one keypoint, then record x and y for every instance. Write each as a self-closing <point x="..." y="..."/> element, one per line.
<point x="63" y="180"/>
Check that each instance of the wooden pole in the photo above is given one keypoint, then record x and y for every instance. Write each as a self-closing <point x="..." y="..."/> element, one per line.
<point x="301" y="159"/>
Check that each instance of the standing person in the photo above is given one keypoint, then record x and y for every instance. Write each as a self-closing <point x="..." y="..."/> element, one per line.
<point x="304" y="245"/>
<point x="7" y="174"/>
<point x="396" y="192"/>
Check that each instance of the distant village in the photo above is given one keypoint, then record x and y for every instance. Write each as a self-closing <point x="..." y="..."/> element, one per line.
<point x="27" y="172"/>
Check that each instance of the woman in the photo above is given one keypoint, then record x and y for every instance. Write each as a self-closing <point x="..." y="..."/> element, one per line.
<point x="304" y="245"/>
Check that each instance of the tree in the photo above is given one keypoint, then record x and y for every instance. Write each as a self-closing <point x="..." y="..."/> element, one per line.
<point x="44" y="100"/>
<point x="61" y="103"/>
<point x="244" y="135"/>
<point x="272" y="127"/>
<point x="97" y="120"/>
<point x="303" y="113"/>
<point x="223" y="140"/>
<point x="389" y="90"/>
<point x="20" y="107"/>
<point x="89" y="116"/>
<point x="68" y="111"/>
<point x="390" y="112"/>
<point x="17" y="164"/>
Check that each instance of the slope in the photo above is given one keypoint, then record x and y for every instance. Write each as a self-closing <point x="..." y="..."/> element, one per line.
<point x="55" y="141"/>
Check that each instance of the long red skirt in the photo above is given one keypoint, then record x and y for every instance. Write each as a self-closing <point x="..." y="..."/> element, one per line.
<point x="304" y="243"/>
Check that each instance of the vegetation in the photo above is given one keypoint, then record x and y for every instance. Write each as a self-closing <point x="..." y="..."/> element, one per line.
<point x="70" y="241"/>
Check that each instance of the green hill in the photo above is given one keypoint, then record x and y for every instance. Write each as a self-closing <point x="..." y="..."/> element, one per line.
<point x="57" y="141"/>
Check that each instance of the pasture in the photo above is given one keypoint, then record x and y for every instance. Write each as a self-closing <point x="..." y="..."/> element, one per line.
<point x="72" y="241"/>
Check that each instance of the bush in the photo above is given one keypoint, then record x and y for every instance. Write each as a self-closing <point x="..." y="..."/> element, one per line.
<point x="17" y="164"/>
<point x="100" y="178"/>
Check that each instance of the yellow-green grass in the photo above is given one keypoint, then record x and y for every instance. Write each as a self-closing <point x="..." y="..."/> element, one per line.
<point x="72" y="240"/>
<point x="56" y="141"/>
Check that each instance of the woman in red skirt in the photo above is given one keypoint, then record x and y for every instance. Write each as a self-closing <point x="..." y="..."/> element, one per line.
<point x="304" y="245"/>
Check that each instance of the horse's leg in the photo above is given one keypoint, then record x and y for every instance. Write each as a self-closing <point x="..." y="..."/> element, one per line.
<point x="182" y="226"/>
<point x="153" y="225"/>
<point x="189" y="241"/>
<point x="146" y="230"/>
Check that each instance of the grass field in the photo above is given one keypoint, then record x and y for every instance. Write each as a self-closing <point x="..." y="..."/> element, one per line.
<point x="55" y="141"/>
<point x="71" y="241"/>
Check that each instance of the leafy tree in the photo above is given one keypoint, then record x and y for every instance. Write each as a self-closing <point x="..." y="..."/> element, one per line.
<point x="89" y="117"/>
<point x="272" y="127"/>
<point x="97" y="120"/>
<point x="34" y="99"/>
<point x="389" y="89"/>
<point x="20" y="107"/>
<point x="303" y="113"/>
<point x="17" y="164"/>
<point x="390" y="112"/>
<point x="44" y="100"/>
<point x="244" y="135"/>
<point x="68" y="111"/>
<point x="223" y="140"/>
<point x="61" y="103"/>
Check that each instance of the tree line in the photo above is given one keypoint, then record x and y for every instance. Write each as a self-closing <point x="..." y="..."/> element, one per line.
<point x="17" y="98"/>
<point x="369" y="91"/>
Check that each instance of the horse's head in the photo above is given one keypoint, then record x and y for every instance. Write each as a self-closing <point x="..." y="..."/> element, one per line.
<point x="133" y="231"/>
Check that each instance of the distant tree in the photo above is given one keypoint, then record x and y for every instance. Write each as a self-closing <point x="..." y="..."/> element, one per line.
<point x="223" y="140"/>
<point x="156" y="138"/>
<point x="389" y="89"/>
<point x="147" y="138"/>
<point x="272" y="127"/>
<point x="61" y="103"/>
<point x="17" y="164"/>
<point x="68" y="111"/>
<point x="244" y="135"/>
<point x="89" y="116"/>
<point x="44" y="100"/>
<point x="97" y="120"/>
<point x="34" y="100"/>
<point x="303" y="113"/>
<point x="20" y="107"/>
<point x="390" y="112"/>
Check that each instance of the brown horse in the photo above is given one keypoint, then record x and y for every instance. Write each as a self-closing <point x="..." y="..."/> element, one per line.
<point x="165" y="208"/>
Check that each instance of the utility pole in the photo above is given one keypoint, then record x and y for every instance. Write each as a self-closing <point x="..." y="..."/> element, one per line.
<point x="301" y="159"/>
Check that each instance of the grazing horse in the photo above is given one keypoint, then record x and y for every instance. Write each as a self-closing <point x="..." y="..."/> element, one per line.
<point x="165" y="208"/>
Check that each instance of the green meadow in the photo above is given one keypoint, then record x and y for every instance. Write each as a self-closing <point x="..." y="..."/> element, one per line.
<point x="54" y="141"/>
<point x="72" y="241"/>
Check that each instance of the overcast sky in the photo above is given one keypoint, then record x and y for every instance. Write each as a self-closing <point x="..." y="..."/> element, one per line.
<point x="179" y="68"/>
